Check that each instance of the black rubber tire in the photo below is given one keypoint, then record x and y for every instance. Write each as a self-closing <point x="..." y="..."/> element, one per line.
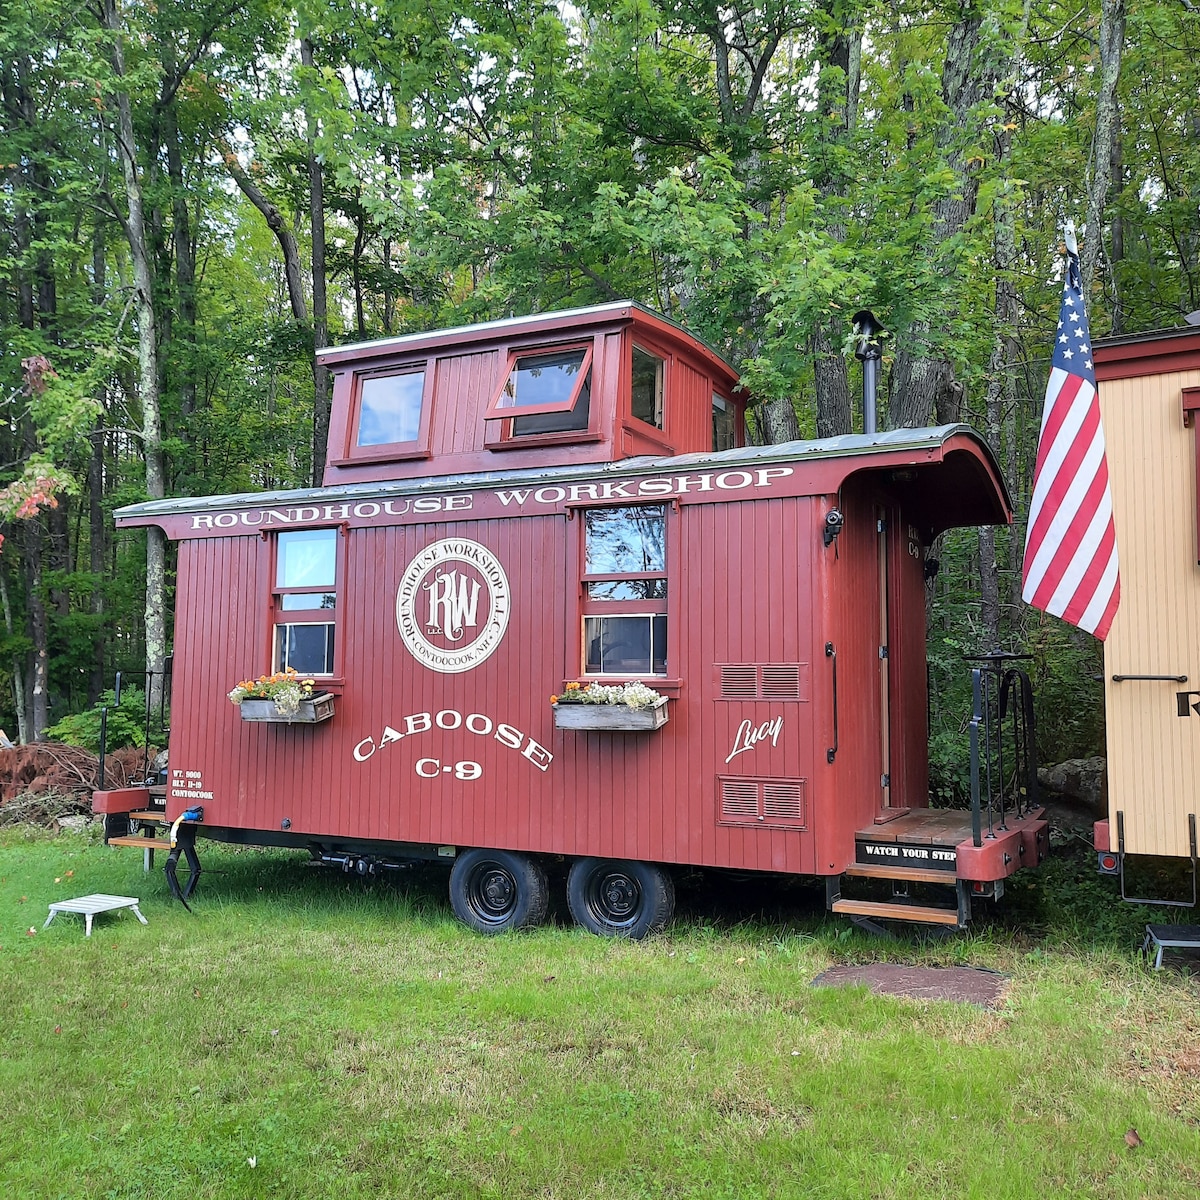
<point x="494" y="891"/>
<point x="620" y="897"/>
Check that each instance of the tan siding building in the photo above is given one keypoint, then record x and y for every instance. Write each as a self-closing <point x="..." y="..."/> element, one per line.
<point x="1145" y="386"/>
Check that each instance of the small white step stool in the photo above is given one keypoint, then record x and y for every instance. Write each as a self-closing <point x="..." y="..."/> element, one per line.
<point x="89" y="906"/>
<point x="1169" y="937"/>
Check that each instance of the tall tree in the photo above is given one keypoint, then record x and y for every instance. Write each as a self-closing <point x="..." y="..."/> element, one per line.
<point x="133" y="221"/>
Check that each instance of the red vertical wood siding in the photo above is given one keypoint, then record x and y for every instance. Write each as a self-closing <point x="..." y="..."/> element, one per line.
<point x="742" y="595"/>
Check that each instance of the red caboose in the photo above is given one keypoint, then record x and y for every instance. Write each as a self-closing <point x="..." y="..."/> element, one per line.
<point x="530" y="507"/>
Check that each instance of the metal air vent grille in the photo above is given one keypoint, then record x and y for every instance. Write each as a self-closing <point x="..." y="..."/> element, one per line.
<point x="780" y="681"/>
<point x="761" y="802"/>
<point x="739" y="681"/>
<point x="762" y="681"/>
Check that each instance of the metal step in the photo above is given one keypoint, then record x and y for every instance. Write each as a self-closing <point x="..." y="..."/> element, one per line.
<point x="884" y="871"/>
<point x="914" y="913"/>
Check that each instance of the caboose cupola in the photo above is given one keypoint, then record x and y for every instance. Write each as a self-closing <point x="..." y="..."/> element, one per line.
<point x="590" y="385"/>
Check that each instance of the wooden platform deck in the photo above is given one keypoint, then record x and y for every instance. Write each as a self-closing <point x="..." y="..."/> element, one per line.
<point x="923" y="827"/>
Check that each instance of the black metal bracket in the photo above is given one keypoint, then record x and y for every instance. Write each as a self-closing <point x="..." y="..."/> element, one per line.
<point x="1148" y="900"/>
<point x="963" y="891"/>
<point x="1150" y="678"/>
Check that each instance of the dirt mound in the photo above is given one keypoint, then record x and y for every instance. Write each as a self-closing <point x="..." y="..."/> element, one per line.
<point x="46" y="780"/>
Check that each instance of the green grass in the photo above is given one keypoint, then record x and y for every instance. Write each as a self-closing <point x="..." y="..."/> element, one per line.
<point x="356" y="1042"/>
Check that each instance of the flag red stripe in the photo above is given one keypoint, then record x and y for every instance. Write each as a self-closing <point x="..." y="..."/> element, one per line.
<point x="1041" y="521"/>
<point x="1056" y="413"/>
<point x="1086" y="591"/>
<point x="1106" y="620"/>
<point x="1071" y="543"/>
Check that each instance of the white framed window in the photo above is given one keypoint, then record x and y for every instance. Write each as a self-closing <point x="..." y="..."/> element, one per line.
<point x="624" y="592"/>
<point x="305" y="601"/>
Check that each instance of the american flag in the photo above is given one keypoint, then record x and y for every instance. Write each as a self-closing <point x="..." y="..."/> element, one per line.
<point x="1071" y="545"/>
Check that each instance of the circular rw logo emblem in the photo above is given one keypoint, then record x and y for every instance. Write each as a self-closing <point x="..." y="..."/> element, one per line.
<point x="452" y="605"/>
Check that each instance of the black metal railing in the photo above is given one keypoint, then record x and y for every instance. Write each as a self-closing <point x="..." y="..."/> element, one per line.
<point x="158" y="702"/>
<point x="1003" y="744"/>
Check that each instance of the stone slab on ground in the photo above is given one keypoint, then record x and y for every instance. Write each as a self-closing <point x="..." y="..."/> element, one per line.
<point x="967" y="985"/>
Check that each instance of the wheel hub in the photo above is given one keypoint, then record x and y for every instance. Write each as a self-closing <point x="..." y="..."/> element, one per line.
<point x="619" y="896"/>
<point x="495" y="892"/>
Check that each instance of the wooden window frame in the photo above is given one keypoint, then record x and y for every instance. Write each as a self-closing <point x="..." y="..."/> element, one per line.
<point x="497" y="412"/>
<point x="353" y="453"/>
<point x="733" y="410"/>
<point x="505" y="439"/>
<point x="645" y="347"/>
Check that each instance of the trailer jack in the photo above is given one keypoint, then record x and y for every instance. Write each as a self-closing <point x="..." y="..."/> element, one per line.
<point x="183" y="841"/>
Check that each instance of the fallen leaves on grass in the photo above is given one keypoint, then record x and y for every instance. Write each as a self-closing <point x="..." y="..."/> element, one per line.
<point x="745" y="1107"/>
<point x="1188" y="1062"/>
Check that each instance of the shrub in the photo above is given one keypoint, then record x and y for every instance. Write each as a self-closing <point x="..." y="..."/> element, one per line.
<point x="126" y="723"/>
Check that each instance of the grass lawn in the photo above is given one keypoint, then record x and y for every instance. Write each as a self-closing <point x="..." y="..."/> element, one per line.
<point x="305" y="1035"/>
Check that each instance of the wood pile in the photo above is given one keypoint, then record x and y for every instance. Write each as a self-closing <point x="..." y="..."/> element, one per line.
<point x="45" y="781"/>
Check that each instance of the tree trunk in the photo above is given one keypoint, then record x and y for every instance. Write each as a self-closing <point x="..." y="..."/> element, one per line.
<point x="185" y="266"/>
<point x="1001" y="376"/>
<point x="36" y="302"/>
<point x="923" y="381"/>
<point x="1112" y="41"/>
<point x="316" y="200"/>
<point x="39" y="695"/>
<point x="18" y="669"/>
<point x="839" y="50"/>
<point x="97" y="522"/>
<point x="278" y="226"/>
<point x="135" y="230"/>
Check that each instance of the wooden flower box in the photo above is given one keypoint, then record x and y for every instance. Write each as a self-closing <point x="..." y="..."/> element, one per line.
<point x="618" y="718"/>
<point x="313" y="710"/>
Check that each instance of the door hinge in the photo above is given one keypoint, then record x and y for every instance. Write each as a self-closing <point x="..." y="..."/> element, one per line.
<point x="883" y="652"/>
<point x="885" y="781"/>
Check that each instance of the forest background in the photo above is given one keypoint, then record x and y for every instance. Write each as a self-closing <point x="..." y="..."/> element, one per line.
<point x="197" y="193"/>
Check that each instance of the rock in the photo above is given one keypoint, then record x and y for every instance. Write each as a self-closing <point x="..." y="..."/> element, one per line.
<point x="1083" y="780"/>
<point x="78" y="824"/>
